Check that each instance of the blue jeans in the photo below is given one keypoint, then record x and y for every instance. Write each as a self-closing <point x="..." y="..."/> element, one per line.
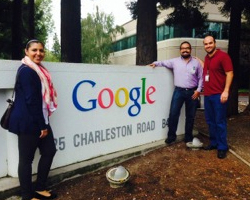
<point x="216" y="118"/>
<point x="181" y="96"/>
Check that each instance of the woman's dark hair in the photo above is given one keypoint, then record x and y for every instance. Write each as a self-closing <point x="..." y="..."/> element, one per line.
<point x="33" y="41"/>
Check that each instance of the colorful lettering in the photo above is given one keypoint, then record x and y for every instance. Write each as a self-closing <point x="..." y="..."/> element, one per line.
<point x="106" y="97"/>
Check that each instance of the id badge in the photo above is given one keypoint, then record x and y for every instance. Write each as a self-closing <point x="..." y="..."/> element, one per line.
<point x="207" y="78"/>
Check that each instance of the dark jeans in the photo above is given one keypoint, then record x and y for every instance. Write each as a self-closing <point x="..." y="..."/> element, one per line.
<point x="216" y="118"/>
<point x="181" y="96"/>
<point x="27" y="145"/>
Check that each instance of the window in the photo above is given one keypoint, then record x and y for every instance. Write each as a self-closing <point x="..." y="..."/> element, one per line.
<point x="218" y="29"/>
<point x="164" y="32"/>
<point x="132" y="41"/>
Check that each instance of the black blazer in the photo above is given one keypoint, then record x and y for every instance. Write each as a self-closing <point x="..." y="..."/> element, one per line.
<point x="27" y="114"/>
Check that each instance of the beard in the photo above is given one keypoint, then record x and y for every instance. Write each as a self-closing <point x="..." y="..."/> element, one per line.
<point x="186" y="56"/>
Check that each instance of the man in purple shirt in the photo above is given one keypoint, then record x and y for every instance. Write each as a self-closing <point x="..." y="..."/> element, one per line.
<point x="188" y="83"/>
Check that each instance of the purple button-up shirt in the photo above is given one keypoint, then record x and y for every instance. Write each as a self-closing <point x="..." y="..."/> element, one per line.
<point x="186" y="74"/>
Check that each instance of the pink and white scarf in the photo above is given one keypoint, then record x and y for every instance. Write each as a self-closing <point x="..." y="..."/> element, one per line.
<point x="48" y="91"/>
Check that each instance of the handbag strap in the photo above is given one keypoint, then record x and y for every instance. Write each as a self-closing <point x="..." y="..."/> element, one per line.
<point x="18" y="72"/>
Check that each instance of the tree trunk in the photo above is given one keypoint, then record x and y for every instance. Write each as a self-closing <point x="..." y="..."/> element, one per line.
<point x="233" y="51"/>
<point x="71" y="31"/>
<point x="247" y="110"/>
<point x="31" y="22"/>
<point x="146" y="46"/>
<point x="17" y="46"/>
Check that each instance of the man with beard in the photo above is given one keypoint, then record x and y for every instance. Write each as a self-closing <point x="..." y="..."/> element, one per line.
<point x="188" y="83"/>
<point x="217" y="77"/>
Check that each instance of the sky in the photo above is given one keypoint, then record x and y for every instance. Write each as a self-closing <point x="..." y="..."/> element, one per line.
<point x="116" y="7"/>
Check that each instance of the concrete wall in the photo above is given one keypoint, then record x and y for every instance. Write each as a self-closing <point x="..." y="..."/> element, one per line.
<point x="102" y="109"/>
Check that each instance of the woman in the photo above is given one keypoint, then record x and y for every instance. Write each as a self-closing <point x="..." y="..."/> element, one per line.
<point x="35" y="100"/>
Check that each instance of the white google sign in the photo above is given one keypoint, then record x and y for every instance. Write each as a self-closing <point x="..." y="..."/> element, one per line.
<point x="101" y="109"/>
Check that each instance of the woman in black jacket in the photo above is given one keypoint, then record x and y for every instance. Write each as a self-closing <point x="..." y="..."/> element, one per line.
<point x="35" y="100"/>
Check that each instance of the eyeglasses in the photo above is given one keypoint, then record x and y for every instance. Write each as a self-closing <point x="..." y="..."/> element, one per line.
<point x="185" y="48"/>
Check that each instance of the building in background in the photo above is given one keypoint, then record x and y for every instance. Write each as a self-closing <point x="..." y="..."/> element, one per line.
<point x="170" y="37"/>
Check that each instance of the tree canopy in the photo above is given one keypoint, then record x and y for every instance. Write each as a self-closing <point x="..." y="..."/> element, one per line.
<point x="42" y="21"/>
<point x="186" y="13"/>
<point x="97" y="32"/>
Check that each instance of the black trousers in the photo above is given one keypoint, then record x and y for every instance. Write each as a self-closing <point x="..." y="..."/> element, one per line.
<point x="27" y="145"/>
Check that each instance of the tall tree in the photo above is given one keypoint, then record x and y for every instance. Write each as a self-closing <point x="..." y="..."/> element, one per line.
<point x="17" y="29"/>
<point x="5" y="29"/>
<point x="71" y="31"/>
<point x="56" y="49"/>
<point x="97" y="32"/>
<point x="233" y="51"/>
<point x="146" y="48"/>
<point x="43" y="19"/>
<point x="31" y="21"/>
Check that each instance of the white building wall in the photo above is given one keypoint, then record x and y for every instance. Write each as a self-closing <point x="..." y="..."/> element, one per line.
<point x="166" y="49"/>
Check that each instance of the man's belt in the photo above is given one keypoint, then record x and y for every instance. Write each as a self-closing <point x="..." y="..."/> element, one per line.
<point x="180" y="88"/>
